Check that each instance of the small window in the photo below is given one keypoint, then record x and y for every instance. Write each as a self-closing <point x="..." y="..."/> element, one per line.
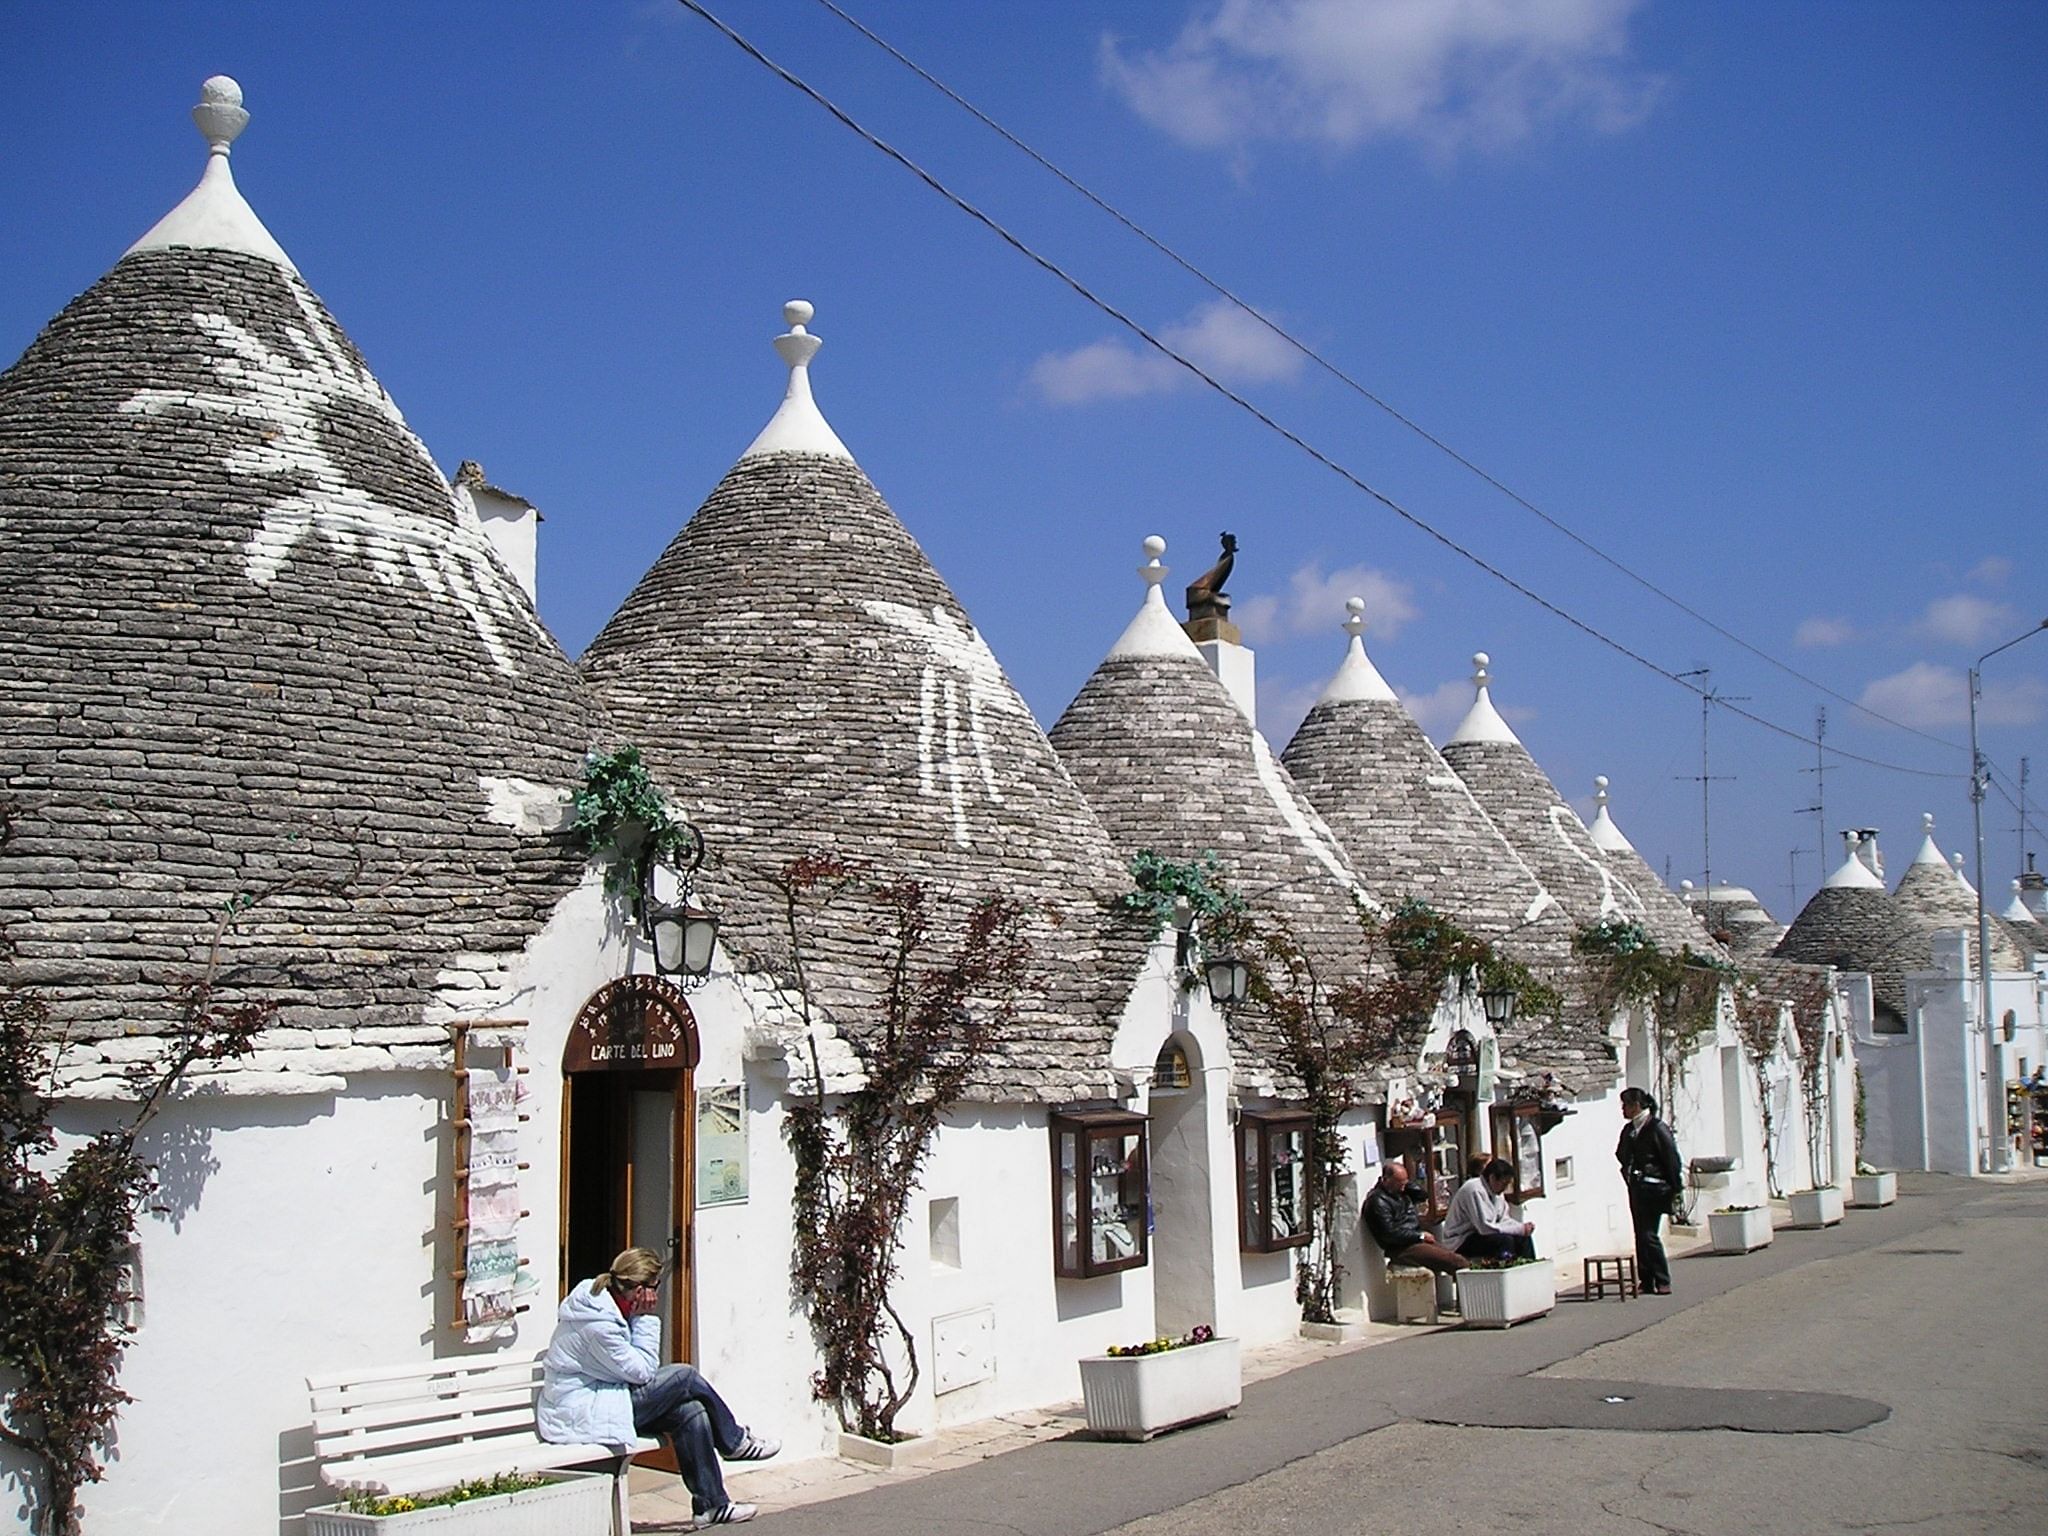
<point x="1170" y="1071"/>
<point x="1101" y="1202"/>
<point x="1273" y="1179"/>
<point x="1561" y="1173"/>
<point x="944" y="1224"/>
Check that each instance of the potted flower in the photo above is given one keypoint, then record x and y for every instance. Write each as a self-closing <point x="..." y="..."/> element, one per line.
<point x="1816" y="1207"/>
<point x="1739" y="1228"/>
<point x="1499" y="1295"/>
<point x="511" y="1504"/>
<point x="1139" y="1390"/>
<point x="1870" y="1186"/>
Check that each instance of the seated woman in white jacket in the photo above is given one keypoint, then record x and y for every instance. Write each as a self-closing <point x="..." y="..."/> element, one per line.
<point x="604" y="1384"/>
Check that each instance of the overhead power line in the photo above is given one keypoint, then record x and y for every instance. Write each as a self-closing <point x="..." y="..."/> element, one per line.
<point x="1414" y="520"/>
<point x="1223" y="291"/>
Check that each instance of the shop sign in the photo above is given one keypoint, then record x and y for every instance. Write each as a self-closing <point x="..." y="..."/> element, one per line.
<point x="634" y="1024"/>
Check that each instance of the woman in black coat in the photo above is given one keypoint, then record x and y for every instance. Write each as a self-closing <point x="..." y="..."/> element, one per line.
<point x="1648" y="1155"/>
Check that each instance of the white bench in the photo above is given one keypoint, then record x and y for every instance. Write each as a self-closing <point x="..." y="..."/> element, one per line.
<point x="421" y="1428"/>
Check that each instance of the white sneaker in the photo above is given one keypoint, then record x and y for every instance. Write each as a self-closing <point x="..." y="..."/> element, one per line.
<point x="753" y="1447"/>
<point x="726" y="1514"/>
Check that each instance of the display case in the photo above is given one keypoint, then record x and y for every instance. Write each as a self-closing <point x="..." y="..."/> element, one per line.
<point x="1273" y="1152"/>
<point x="1518" y="1139"/>
<point x="1434" y="1151"/>
<point x="1101" y="1203"/>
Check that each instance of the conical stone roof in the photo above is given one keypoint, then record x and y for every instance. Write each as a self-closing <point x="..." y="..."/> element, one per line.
<point x="1413" y="829"/>
<point x="1171" y="764"/>
<point x="1933" y="894"/>
<point x="1853" y="925"/>
<point x="1533" y="816"/>
<point x="803" y="683"/>
<point x="250" y="647"/>
<point x="1667" y="918"/>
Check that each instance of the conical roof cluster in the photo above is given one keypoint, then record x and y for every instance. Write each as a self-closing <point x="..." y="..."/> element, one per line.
<point x="1933" y="893"/>
<point x="1852" y="924"/>
<point x="253" y="654"/>
<point x="804" y="683"/>
<point x="1414" y="828"/>
<point x="1172" y="765"/>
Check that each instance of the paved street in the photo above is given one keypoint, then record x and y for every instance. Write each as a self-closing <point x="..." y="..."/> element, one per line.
<point x="1888" y="1374"/>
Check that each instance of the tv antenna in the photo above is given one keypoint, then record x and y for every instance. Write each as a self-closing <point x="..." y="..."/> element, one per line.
<point x="1709" y="697"/>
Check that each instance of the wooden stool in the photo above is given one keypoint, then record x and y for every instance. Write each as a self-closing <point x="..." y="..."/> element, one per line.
<point x="1615" y="1269"/>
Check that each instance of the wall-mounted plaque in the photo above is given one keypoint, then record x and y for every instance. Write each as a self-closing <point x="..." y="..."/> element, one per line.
<point x="722" y="1144"/>
<point x="634" y="1024"/>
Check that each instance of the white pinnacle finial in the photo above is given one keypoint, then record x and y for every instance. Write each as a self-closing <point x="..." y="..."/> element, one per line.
<point x="1603" y="831"/>
<point x="214" y="215"/>
<point x="1153" y="572"/>
<point x="1685" y="885"/>
<point x="1357" y="679"/>
<point x="1482" y="722"/>
<point x="797" y="425"/>
<point x="1600" y="790"/>
<point x="1153" y="631"/>
<point x="1927" y="822"/>
<point x="220" y="115"/>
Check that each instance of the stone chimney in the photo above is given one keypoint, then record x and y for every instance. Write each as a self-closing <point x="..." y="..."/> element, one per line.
<point x="512" y="522"/>
<point x="1220" y="641"/>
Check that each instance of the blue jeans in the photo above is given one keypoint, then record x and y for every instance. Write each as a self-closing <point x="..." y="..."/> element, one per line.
<point x="680" y="1405"/>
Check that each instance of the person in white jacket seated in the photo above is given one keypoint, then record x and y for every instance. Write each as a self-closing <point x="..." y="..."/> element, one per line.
<point x="1480" y="1225"/>
<point x="604" y="1384"/>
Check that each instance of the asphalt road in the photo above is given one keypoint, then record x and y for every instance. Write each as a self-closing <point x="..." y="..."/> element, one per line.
<point x="1889" y="1374"/>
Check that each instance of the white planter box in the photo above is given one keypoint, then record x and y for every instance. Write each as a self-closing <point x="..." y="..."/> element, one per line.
<point x="1740" y="1231"/>
<point x="1500" y="1298"/>
<point x="571" y="1504"/>
<point x="1816" y="1207"/>
<point x="1869" y="1189"/>
<point x="1134" y="1397"/>
<point x="883" y="1453"/>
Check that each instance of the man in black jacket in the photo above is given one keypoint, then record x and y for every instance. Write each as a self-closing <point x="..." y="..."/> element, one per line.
<point x="1391" y="1219"/>
<point x="1649" y="1163"/>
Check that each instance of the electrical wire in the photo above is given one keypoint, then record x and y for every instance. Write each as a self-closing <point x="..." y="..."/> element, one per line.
<point x="1413" y="519"/>
<point x="1222" y="291"/>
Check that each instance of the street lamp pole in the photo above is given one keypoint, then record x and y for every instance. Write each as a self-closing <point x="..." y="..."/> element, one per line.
<point x="1997" y="1143"/>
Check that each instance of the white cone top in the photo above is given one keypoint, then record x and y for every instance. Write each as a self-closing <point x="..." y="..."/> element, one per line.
<point x="1854" y="875"/>
<point x="797" y="425"/>
<point x="1606" y="835"/>
<point x="2017" y="911"/>
<point x="213" y="216"/>
<point x="1956" y="860"/>
<point x="1929" y="853"/>
<point x="1155" y="631"/>
<point x="1357" y="678"/>
<point x="1482" y="721"/>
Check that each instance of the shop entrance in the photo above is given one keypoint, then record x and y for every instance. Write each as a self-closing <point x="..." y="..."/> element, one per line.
<point x="1183" y="1235"/>
<point x="627" y="1119"/>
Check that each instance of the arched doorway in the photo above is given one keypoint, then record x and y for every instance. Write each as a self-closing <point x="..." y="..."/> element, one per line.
<point x="627" y="1121"/>
<point x="1183" y="1226"/>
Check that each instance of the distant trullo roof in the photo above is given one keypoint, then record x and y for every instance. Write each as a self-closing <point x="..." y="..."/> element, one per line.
<point x="247" y="638"/>
<point x="1934" y="894"/>
<point x="803" y="683"/>
<point x="1853" y="925"/>
<point x="1670" y="921"/>
<point x="1414" y="830"/>
<point x="1733" y="914"/>
<point x="1170" y="762"/>
<point x="1525" y="805"/>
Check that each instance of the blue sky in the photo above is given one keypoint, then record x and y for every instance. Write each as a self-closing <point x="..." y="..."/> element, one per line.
<point x="1750" y="297"/>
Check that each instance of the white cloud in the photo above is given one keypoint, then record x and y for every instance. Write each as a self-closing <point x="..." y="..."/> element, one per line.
<point x="1925" y="695"/>
<point x="1313" y="604"/>
<point x="1439" y="710"/>
<point x="1283" y="706"/>
<point x="1821" y="631"/>
<point x="1964" y="619"/>
<point x="1449" y="74"/>
<point x="1991" y="571"/>
<point x="1218" y="337"/>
